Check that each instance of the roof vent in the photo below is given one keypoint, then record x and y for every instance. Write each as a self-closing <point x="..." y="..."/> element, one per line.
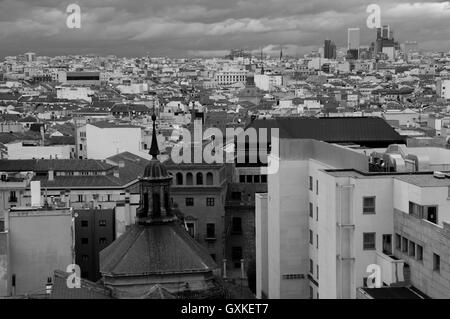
<point x="439" y="174"/>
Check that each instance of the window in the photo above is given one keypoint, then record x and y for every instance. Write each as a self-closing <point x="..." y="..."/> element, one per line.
<point x="189" y="201"/>
<point x="256" y="178"/>
<point x="12" y="197"/>
<point x="81" y="147"/>
<point x="311" y="210"/>
<point x="419" y="253"/>
<point x="85" y="258"/>
<point x="317" y="272"/>
<point x="236" y="253"/>
<point x="317" y="187"/>
<point x="436" y="262"/>
<point x="369" y="205"/>
<point x="213" y="256"/>
<point x="191" y="228"/>
<point x="431" y="214"/>
<point x="249" y="179"/>
<point x="80" y="198"/>
<point x="310" y="183"/>
<point x="199" y="179"/>
<point x="311" y="267"/>
<point x="209" y="178"/>
<point x="415" y="210"/>
<point x="84" y="223"/>
<point x="84" y="241"/>
<point x="264" y="179"/>
<point x="236" y="195"/>
<point x="412" y="249"/>
<point x="210" y="230"/>
<point x="404" y="244"/>
<point x="311" y="292"/>
<point x="102" y="222"/>
<point x="369" y="241"/>
<point x="236" y="223"/>
<point x="311" y="237"/>
<point x="398" y="241"/>
<point x="179" y="177"/>
<point x="102" y="240"/>
<point x="189" y="179"/>
<point x="210" y="201"/>
<point x="241" y="178"/>
<point x="317" y="241"/>
<point x="317" y="213"/>
<point x="109" y="198"/>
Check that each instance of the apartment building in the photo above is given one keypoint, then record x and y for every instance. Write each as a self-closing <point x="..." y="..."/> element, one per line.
<point x="331" y="216"/>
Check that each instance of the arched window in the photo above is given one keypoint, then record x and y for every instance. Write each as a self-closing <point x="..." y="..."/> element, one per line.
<point x="199" y="178"/>
<point x="209" y="178"/>
<point x="179" y="179"/>
<point x="156" y="204"/>
<point x="189" y="179"/>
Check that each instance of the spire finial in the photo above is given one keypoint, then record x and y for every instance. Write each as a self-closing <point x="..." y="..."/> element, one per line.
<point x="154" y="150"/>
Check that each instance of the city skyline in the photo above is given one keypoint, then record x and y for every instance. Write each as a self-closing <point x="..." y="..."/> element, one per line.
<point x="206" y="28"/>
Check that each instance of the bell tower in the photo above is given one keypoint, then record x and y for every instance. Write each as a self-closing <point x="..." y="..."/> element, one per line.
<point x="155" y="205"/>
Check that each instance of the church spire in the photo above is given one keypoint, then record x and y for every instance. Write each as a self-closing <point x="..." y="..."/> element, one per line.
<point x="154" y="150"/>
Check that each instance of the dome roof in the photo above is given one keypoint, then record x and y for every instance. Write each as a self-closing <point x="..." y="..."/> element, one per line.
<point x="155" y="170"/>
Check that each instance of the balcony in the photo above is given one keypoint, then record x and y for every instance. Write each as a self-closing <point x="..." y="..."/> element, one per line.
<point x="392" y="270"/>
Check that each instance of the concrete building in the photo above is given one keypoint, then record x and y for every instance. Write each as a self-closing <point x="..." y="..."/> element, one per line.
<point x="331" y="217"/>
<point x="101" y="140"/>
<point x="20" y="150"/>
<point x="79" y="78"/>
<point x="230" y="76"/>
<point x="443" y="88"/>
<point x="268" y="82"/>
<point x="39" y="240"/>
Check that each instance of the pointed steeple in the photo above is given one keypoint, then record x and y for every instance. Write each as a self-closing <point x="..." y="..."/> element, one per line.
<point x="154" y="150"/>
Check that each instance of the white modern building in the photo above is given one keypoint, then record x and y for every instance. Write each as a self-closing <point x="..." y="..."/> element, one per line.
<point x="331" y="216"/>
<point x="103" y="139"/>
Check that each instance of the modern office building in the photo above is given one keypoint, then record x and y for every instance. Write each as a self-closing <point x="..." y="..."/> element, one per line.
<point x="329" y="50"/>
<point x="353" y="41"/>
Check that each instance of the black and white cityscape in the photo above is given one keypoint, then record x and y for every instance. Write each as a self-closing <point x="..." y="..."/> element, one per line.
<point x="219" y="150"/>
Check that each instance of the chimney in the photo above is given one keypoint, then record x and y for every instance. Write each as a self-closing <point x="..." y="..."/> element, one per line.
<point x="121" y="164"/>
<point x="35" y="188"/>
<point x="51" y="175"/>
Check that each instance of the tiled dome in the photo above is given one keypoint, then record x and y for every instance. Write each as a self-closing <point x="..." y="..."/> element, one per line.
<point x="155" y="170"/>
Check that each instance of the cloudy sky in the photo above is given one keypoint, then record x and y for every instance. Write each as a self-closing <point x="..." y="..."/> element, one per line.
<point x="210" y="27"/>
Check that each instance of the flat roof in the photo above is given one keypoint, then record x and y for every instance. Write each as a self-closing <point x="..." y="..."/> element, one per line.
<point x="395" y="293"/>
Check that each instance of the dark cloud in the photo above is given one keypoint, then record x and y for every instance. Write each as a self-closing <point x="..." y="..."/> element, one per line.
<point x="181" y="27"/>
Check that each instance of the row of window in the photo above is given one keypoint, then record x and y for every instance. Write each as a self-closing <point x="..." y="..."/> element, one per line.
<point x="101" y="241"/>
<point x="179" y="178"/>
<point x="101" y="223"/>
<point x="236" y="227"/>
<point x="414" y="250"/>
<point x="210" y="201"/>
<point x="249" y="179"/>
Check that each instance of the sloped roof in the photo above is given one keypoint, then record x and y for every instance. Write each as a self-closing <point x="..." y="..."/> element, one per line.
<point x="155" y="249"/>
<point x="88" y="289"/>
<point x="157" y="292"/>
<point x="40" y="165"/>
